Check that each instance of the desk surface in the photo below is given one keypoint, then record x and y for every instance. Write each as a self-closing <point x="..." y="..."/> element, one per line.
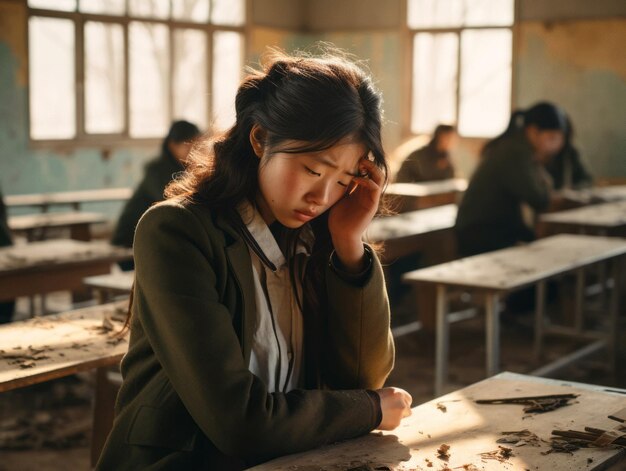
<point x="596" y="194"/>
<point x="69" y="197"/>
<point x="59" y="252"/>
<point x="49" y="347"/>
<point x="519" y="266"/>
<point x="470" y="429"/>
<point x="453" y="185"/>
<point x="412" y="223"/>
<point x="606" y="215"/>
<point x="41" y="220"/>
<point x="122" y="282"/>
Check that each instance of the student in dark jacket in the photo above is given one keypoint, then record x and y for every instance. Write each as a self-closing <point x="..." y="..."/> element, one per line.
<point x="431" y="162"/>
<point x="6" y="307"/>
<point x="567" y="168"/>
<point x="511" y="173"/>
<point x="259" y="320"/>
<point x="158" y="174"/>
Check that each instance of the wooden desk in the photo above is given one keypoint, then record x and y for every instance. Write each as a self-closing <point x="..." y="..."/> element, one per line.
<point x="72" y="198"/>
<point x="497" y="273"/>
<point x="404" y="197"/>
<point x="407" y="233"/>
<point x="599" y="219"/>
<point x="54" y="265"/>
<point x="50" y="347"/>
<point x="107" y="286"/>
<point x="595" y="195"/>
<point x="35" y="226"/>
<point x="470" y="429"/>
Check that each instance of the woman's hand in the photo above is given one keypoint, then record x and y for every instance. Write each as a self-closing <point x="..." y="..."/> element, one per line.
<point x="395" y="404"/>
<point x="350" y="216"/>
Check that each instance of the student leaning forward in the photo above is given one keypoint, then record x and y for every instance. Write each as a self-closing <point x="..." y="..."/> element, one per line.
<point x="259" y="320"/>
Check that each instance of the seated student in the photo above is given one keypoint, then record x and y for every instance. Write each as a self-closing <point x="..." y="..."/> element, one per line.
<point x="6" y="307"/>
<point x="511" y="172"/>
<point x="566" y="167"/>
<point x="431" y="162"/>
<point x="259" y="320"/>
<point x="158" y="173"/>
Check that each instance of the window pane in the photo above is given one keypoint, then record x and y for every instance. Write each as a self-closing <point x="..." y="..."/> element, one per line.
<point x="190" y="76"/>
<point x="228" y="12"/>
<point x="149" y="84"/>
<point x="51" y="64"/>
<point x="111" y="7"/>
<point x="64" y="5"/>
<point x="434" y="80"/>
<point x="191" y="10"/>
<point x="488" y="12"/>
<point x="104" y="78"/>
<point x="149" y="8"/>
<point x="227" y="65"/>
<point x="485" y="82"/>
<point x="434" y="13"/>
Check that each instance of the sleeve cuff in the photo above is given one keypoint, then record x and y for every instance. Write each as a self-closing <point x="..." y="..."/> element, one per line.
<point x="357" y="279"/>
<point x="376" y="401"/>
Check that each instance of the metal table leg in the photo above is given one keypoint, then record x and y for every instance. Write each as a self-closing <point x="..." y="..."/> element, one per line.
<point x="540" y="310"/>
<point x="493" y="333"/>
<point x="441" y="351"/>
<point x="579" y="299"/>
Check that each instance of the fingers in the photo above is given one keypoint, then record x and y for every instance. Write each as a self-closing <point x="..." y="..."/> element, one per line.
<point x="373" y="172"/>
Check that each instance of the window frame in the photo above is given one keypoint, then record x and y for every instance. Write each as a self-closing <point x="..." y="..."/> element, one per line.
<point x="410" y="34"/>
<point x="124" y="139"/>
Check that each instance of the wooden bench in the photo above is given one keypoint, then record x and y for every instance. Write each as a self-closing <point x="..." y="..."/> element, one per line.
<point x="50" y="347"/>
<point x="71" y="198"/>
<point x="37" y="226"/>
<point x="404" y="197"/>
<point x="54" y="265"/>
<point x="113" y="284"/>
<point x="470" y="429"/>
<point x="497" y="273"/>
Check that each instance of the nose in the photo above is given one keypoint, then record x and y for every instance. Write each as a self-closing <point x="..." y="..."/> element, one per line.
<point x="319" y="194"/>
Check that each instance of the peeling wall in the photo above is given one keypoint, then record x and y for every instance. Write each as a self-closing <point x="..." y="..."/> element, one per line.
<point x="579" y="65"/>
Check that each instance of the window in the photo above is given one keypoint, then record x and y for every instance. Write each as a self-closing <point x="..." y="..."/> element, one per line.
<point x="125" y="69"/>
<point x="461" y="74"/>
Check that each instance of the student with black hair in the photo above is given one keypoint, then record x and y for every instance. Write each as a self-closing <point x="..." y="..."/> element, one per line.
<point x="259" y="320"/>
<point x="567" y="168"/>
<point x="158" y="174"/>
<point x="511" y="173"/>
<point x="431" y="162"/>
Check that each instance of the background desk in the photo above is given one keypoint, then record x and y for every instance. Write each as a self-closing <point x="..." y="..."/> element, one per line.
<point x="497" y="273"/>
<point x="54" y="265"/>
<point x="67" y="344"/>
<point x="72" y="198"/>
<point x="470" y="429"/>
<point x="404" y="197"/>
<point x="37" y="226"/>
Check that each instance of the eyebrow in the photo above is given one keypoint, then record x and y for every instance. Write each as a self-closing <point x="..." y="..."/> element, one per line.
<point x="329" y="163"/>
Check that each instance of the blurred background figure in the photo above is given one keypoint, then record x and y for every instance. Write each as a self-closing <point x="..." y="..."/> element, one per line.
<point x="158" y="173"/>
<point x="511" y="173"/>
<point x="6" y="308"/>
<point x="431" y="162"/>
<point x="566" y="167"/>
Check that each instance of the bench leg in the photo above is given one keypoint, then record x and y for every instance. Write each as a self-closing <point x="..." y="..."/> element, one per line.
<point x="540" y="309"/>
<point x="102" y="413"/>
<point x="441" y="351"/>
<point x="580" y="293"/>
<point x="493" y="333"/>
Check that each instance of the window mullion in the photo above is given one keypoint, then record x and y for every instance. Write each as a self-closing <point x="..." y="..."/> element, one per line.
<point x="458" y="78"/>
<point x="79" y="71"/>
<point x="209" y="77"/>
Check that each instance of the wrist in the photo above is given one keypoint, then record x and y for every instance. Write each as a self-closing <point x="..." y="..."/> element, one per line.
<point x="351" y="256"/>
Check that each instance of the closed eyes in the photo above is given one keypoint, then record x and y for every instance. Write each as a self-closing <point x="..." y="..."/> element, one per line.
<point x="313" y="172"/>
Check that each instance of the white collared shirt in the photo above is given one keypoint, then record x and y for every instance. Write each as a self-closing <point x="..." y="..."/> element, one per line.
<point x="277" y="343"/>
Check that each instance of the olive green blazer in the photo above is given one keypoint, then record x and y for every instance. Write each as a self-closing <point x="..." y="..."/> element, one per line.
<point x="188" y="400"/>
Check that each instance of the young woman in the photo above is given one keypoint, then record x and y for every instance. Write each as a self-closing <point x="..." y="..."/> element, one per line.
<point x="511" y="172"/>
<point x="431" y="162"/>
<point x="260" y="321"/>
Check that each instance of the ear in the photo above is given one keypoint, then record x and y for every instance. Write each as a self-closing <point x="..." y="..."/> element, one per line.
<point x="257" y="140"/>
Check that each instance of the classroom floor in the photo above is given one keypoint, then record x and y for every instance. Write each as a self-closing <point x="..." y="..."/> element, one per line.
<point x="51" y="421"/>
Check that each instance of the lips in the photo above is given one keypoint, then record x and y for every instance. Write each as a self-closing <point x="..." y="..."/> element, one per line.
<point x="304" y="216"/>
<point x="311" y="214"/>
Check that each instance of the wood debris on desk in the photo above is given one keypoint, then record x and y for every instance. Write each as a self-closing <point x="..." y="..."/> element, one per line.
<point x="535" y="404"/>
